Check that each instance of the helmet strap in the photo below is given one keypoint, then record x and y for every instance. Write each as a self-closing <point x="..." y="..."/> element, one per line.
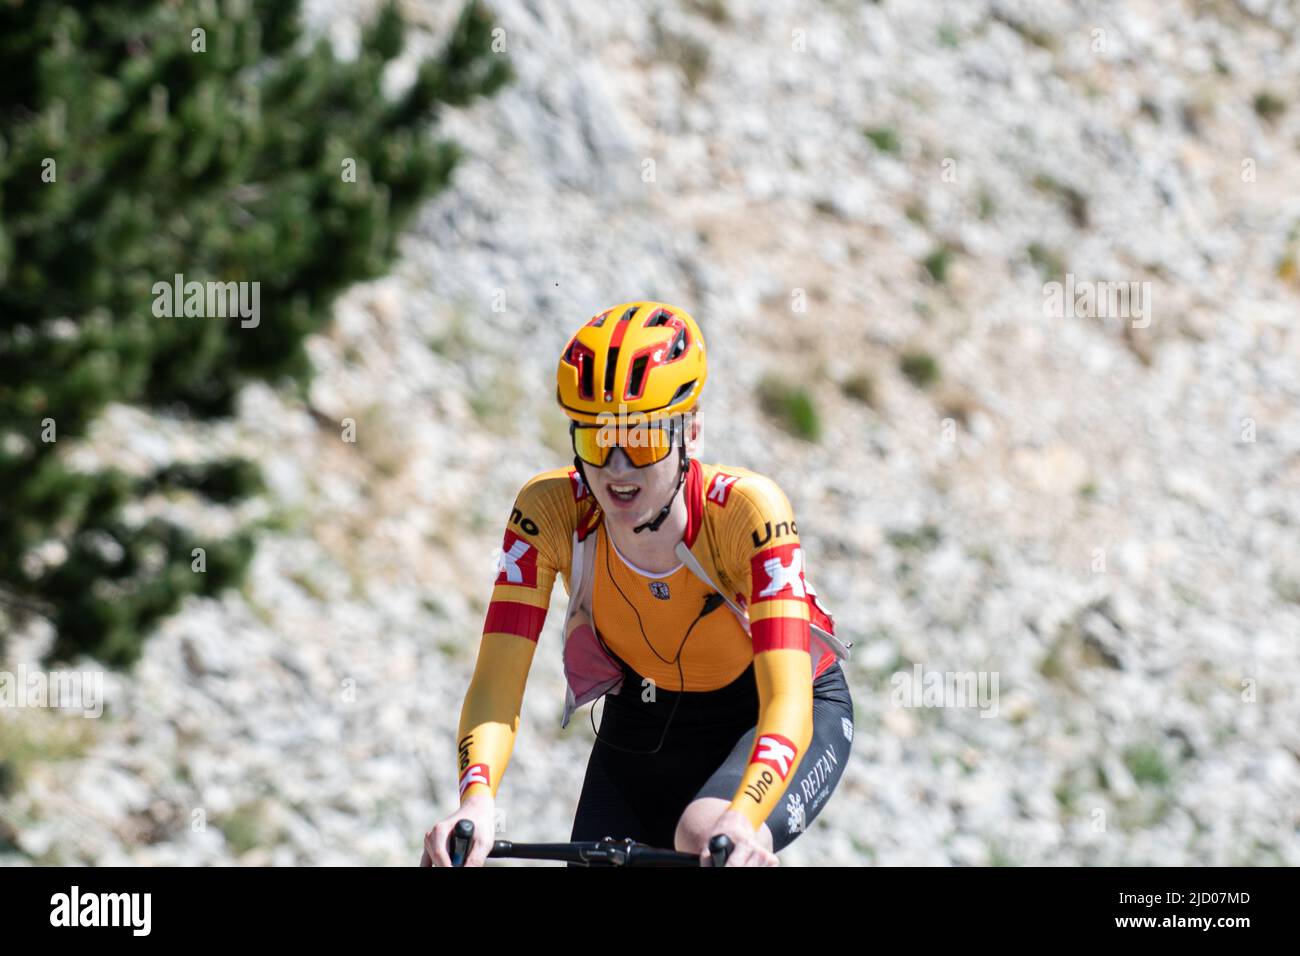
<point x="681" y="478"/>
<point x="577" y="464"/>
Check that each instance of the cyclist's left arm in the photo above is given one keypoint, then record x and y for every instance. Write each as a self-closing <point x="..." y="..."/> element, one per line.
<point x="783" y="733"/>
<point x="779" y="618"/>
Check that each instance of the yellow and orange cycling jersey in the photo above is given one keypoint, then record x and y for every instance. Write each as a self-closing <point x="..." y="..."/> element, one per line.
<point x="742" y="530"/>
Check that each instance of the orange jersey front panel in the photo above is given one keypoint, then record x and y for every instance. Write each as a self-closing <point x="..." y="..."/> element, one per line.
<point x="644" y="620"/>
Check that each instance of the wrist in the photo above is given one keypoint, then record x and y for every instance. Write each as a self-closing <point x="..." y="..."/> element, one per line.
<point x="476" y="794"/>
<point x="747" y="813"/>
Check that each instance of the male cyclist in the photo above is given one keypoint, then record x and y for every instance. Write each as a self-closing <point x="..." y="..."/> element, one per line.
<point x="726" y="710"/>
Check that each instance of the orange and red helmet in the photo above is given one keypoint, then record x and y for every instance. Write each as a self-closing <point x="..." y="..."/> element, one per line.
<point x="638" y="359"/>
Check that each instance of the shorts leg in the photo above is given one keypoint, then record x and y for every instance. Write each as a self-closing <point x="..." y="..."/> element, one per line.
<point x="651" y="758"/>
<point x="818" y="771"/>
<point x="603" y="808"/>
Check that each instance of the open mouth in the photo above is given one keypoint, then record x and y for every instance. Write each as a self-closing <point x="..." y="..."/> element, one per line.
<point x="623" y="493"/>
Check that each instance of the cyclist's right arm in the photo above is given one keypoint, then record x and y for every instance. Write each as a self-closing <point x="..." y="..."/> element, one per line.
<point x="530" y="560"/>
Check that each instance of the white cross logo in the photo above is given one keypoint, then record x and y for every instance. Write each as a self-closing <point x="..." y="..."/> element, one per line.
<point x="769" y="748"/>
<point x="721" y="485"/>
<point x="780" y="575"/>
<point x="475" y="774"/>
<point x="509" y="562"/>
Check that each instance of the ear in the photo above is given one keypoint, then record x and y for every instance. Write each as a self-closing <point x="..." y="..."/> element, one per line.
<point x="693" y="433"/>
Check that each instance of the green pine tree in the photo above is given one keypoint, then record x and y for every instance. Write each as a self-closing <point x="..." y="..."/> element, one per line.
<point x="138" y="141"/>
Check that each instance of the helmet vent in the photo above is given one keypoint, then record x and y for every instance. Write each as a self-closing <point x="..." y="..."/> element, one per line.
<point x="636" y="382"/>
<point x="611" y="363"/>
<point x="584" y="360"/>
<point x="627" y="316"/>
<point x="660" y="317"/>
<point x="683" y="391"/>
<point x="678" y="347"/>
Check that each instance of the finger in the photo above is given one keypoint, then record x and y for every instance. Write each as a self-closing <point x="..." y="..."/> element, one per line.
<point x="438" y="848"/>
<point x="425" y="860"/>
<point x="478" y="853"/>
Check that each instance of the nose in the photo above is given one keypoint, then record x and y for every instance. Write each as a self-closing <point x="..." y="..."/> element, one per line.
<point x="618" y="465"/>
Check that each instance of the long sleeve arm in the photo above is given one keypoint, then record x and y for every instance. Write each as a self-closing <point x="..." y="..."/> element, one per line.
<point x="489" y="718"/>
<point x="526" y="570"/>
<point x="768" y="562"/>
<point x="784" y="730"/>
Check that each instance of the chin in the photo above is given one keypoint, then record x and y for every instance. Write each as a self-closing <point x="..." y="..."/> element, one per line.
<point x="621" y="517"/>
<point x="629" y="518"/>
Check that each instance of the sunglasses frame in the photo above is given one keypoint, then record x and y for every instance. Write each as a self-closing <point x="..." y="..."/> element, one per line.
<point x="676" y="424"/>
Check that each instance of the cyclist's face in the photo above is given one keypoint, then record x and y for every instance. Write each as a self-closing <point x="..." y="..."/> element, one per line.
<point x="633" y="495"/>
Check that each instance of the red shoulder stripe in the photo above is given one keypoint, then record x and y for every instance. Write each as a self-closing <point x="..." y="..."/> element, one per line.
<point x="780" y="633"/>
<point x="514" y="617"/>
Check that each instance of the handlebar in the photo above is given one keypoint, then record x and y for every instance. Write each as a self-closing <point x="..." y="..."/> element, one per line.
<point x="606" y="852"/>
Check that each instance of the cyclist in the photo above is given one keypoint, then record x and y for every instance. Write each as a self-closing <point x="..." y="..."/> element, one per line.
<point x="726" y="710"/>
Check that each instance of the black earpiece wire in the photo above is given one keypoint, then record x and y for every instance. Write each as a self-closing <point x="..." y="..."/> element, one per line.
<point x="711" y="603"/>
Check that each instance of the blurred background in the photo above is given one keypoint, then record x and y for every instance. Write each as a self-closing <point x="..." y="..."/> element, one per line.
<point x="272" y="534"/>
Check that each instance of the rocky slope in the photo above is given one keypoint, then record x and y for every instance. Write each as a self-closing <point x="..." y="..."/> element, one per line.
<point x="866" y="199"/>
